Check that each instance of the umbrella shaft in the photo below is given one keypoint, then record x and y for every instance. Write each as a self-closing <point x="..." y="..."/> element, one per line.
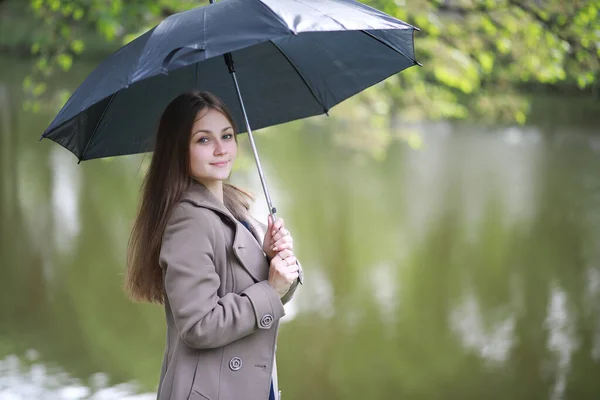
<point x="272" y="209"/>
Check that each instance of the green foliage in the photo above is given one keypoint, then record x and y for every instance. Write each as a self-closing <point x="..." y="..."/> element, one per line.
<point x="478" y="55"/>
<point x="485" y="52"/>
<point x="65" y="21"/>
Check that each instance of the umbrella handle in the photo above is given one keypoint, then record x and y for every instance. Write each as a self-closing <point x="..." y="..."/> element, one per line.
<point x="272" y="209"/>
<point x="230" y="66"/>
<point x="263" y="181"/>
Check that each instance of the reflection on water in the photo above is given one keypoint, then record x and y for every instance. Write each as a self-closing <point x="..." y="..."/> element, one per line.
<point x="30" y="380"/>
<point x="493" y="343"/>
<point x="65" y="198"/>
<point x="468" y="268"/>
<point x="561" y="340"/>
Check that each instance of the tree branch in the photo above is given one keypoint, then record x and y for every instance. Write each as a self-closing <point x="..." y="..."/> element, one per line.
<point x="573" y="43"/>
<point x="460" y="10"/>
<point x="550" y="25"/>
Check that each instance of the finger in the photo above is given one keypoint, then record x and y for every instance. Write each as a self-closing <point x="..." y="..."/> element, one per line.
<point x="287" y="261"/>
<point x="281" y="234"/>
<point x="277" y="226"/>
<point x="291" y="266"/>
<point x="284" y="243"/>
<point x="285" y="253"/>
<point x="291" y="277"/>
<point x="278" y="235"/>
<point x="291" y="260"/>
<point x="269" y="223"/>
<point x="286" y="266"/>
<point x="278" y="263"/>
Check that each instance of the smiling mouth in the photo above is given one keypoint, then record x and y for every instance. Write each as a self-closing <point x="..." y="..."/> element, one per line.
<point x="220" y="164"/>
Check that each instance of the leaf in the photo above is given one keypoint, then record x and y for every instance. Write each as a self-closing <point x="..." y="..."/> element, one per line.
<point x="67" y="10"/>
<point x="54" y="4"/>
<point x="65" y="61"/>
<point x="65" y="31"/>
<point x="504" y="45"/>
<point x="77" y="46"/>
<point x="593" y="12"/>
<point x="78" y="14"/>
<point x="486" y="60"/>
<point x="42" y="63"/>
<point x="27" y="83"/>
<point x="40" y="89"/>
<point x="488" y="26"/>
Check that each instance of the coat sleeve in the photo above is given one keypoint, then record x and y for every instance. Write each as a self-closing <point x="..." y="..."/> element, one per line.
<point x="203" y="319"/>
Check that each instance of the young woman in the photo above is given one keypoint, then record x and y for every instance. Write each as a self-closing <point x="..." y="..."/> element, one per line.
<point x="195" y="249"/>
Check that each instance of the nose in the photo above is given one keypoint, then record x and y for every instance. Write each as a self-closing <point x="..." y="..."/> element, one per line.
<point x="219" y="148"/>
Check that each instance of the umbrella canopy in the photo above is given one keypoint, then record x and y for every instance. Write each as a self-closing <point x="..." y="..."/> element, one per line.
<point x="293" y="59"/>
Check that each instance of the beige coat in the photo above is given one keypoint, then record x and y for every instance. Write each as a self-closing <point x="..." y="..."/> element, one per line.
<point x="222" y="315"/>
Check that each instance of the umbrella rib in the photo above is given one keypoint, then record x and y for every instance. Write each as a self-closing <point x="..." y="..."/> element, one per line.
<point x="387" y="45"/>
<point x="112" y="97"/>
<point x="277" y="17"/>
<point x="322" y="13"/>
<point x="325" y="109"/>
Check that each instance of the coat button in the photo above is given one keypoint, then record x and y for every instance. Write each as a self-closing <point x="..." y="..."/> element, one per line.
<point x="266" y="321"/>
<point x="235" y="363"/>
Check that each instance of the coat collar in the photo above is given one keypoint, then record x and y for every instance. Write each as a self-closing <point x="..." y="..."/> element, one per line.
<point x="201" y="196"/>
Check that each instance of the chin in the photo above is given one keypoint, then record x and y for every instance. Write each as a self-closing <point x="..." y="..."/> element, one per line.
<point x="220" y="177"/>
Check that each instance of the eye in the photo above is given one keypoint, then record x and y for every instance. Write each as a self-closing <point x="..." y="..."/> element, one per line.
<point x="203" y="140"/>
<point x="227" y="136"/>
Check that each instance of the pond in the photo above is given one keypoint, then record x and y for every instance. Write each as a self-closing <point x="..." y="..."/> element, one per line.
<point x="456" y="261"/>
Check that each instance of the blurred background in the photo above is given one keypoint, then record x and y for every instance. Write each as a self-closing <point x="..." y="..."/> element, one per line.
<point x="447" y="219"/>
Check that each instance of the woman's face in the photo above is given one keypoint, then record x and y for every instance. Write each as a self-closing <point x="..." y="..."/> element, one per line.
<point x="212" y="147"/>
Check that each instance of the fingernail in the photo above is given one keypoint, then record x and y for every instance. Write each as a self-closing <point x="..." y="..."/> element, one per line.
<point x="275" y="248"/>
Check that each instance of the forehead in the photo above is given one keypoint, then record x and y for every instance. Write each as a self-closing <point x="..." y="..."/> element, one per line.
<point x="210" y="120"/>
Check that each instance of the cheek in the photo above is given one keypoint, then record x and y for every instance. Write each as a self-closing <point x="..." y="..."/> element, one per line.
<point x="197" y="156"/>
<point x="232" y="149"/>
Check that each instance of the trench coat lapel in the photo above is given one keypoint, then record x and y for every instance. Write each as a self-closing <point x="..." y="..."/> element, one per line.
<point x="257" y="231"/>
<point x="244" y="239"/>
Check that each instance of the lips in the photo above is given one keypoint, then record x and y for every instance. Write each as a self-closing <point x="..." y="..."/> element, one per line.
<point x="220" y="164"/>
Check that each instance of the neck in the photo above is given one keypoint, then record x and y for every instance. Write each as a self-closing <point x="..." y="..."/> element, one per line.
<point x="215" y="187"/>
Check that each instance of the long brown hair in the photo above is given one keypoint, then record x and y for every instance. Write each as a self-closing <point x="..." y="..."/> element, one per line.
<point x="167" y="179"/>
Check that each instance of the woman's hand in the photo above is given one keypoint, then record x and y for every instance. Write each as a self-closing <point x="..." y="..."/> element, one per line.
<point x="283" y="271"/>
<point x="277" y="238"/>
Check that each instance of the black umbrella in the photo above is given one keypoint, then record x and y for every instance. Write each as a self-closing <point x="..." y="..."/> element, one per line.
<point x="294" y="58"/>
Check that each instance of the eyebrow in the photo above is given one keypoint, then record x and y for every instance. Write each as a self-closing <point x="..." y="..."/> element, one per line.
<point x="210" y="132"/>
